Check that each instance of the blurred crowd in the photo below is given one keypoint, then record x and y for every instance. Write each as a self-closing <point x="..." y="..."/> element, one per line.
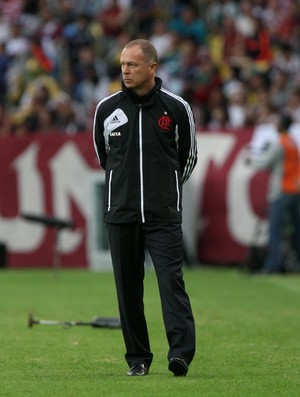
<point x="236" y="62"/>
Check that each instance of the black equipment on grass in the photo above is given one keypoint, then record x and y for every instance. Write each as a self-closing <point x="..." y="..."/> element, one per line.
<point x="97" y="322"/>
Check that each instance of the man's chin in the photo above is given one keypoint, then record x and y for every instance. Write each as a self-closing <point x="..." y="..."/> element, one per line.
<point x="128" y="84"/>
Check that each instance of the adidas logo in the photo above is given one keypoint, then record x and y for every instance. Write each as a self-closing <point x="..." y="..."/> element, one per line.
<point x="115" y="120"/>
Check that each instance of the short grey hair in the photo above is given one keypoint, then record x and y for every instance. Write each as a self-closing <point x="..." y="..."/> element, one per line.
<point x="147" y="47"/>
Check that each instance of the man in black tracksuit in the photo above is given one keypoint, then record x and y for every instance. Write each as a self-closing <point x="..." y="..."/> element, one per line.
<point x="144" y="137"/>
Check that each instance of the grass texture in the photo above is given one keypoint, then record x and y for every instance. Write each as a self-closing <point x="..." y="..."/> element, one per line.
<point x="248" y="336"/>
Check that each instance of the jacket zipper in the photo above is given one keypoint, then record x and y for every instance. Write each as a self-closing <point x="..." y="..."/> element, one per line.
<point x="109" y="190"/>
<point x="177" y="189"/>
<point x="141" y="165"/>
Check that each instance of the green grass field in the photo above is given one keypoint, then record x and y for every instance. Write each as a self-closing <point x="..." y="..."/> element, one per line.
<point x="248" y="336"/>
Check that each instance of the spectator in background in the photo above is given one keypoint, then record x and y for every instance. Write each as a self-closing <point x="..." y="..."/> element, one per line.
<point x="244" y="20"/>
<point x="17" y="45"/>
<point x="292" y="107"/>
<point x="247" y="37"/>
<point x="264" y="131"/>
<point x="161" y="37"/>
<point x="113" y="18"/>
<point x="50" y="34"/>
<point x="91" y="89"/>
<point x="69" y="115"/>
<point x="218" y="120"/>
<point x="69" y="8"/>
<point x="281" y="157"/>
<point x="258" y="46"/>
<point x="280" y="88"/>
<point x="271" y="13"/>
<point x="286" y="61"/>
<point x="190" y="67"/>
<point x="89" y="68"/>
<point x="234" y="52"/>
<point x="35" y="104"/>
<point x="11" y="10"/>
<point x="289" y="20"/>
<point x="233" y="39"/>
<point x="112" y="56"/>
<point x="143" y="15"/>
<point x="238" y="110"/>
<point x="4" y="66"/>
<point x="45" y="120"/>
<point x="4" y="29"/>
<point x="36" y="52"/>
<point x="217" y="11"/>
<point x="5" y="121"/>
<point x="170" y="66"/>
<point x="257" y="83"/>
<point x="189" y="25"/>
<point x="206" y="78"/>
<point x="214" y="111"/>
<point x="36" y="83"/>
<point x="77" y="34"/>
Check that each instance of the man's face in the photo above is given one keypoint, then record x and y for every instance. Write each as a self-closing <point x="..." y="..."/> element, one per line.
<point x="137" y="73"/>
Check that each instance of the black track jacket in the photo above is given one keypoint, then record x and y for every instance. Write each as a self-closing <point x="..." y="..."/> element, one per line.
<point x="148" y="149"/>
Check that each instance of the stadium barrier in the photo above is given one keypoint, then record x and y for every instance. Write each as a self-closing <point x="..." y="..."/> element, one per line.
<point x="59" y="176"/>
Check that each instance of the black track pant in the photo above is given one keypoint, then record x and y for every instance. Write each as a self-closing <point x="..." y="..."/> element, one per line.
<point x="164" y="243"/>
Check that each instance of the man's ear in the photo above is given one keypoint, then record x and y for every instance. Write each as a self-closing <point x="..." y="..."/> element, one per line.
<point x="153" y="68"/>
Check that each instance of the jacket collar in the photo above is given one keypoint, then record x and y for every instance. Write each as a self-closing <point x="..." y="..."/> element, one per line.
<point x="145" y="98"/>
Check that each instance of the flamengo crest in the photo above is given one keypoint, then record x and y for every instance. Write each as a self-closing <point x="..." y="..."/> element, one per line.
<point x="165" y="123"/>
